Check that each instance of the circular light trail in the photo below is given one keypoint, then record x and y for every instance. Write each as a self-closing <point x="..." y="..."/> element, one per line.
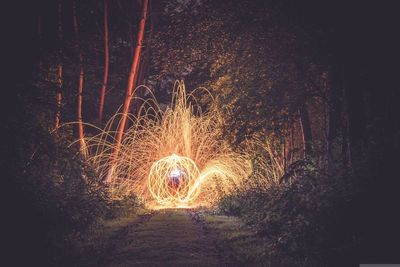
<point x="171" y="180"/>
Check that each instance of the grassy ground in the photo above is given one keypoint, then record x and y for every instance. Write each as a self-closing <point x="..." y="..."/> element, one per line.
<point x="103" y="239"/>
<point x="237" y="242"/>
<point x="158" y="238"/>
<point x="173" y="237"/>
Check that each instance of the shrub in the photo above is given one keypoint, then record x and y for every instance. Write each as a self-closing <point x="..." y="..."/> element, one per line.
<point x="296" y="219"/>
<point x="58" y="194"/>
<point x="230" y="205"/>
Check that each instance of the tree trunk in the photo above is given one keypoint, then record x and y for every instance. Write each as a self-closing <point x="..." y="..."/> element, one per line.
<point x="287" y="148"/>
<point x="59" y="69"/>
<point x="59" y="94"/>
<point x="82" y="145"/>
<point x="145" y="62"/>
<point x="106" y="62"/>
<point x="39" y="27"/>
<point x="345" y="130"/>
<point x="306" y="130"/>
<point x="335" y="108"/>
<point x="285" y="154"/>
<point x="345" y="145"/>
<point x="356" y="120"/>
<point x="129" y="89"/>
<point x="292" y="144"/>
<point x="143" y="67"/>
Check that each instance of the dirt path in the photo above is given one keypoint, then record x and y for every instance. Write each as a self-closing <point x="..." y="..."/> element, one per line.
<point x="165" y="238"/>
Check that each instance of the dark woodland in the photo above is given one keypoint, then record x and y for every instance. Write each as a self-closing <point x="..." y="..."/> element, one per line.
<point x="314" y="81"/>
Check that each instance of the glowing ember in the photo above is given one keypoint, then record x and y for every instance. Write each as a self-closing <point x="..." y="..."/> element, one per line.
<point x="172" y="158"/>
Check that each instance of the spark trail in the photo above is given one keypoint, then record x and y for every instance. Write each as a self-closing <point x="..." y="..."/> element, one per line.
<point x="171" y="158"/>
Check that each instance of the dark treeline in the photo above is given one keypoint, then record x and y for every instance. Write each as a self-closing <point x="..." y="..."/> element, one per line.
<point x="313" y="79"/>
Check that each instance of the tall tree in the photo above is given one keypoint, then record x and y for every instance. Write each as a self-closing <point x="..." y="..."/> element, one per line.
<point x="345" y="129"/>
<point x="39" y="26"/>
<point x="133" y="76"/>
<point x="143" y="65"/>
<point x="82" y="145"/>
<point x="335" y="112"/>
<point x="106" y="62"/>
<point x="59" y="68"/>
<point x="306" y="130"/>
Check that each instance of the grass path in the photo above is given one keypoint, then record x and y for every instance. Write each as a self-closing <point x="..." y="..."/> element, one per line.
<point x="165" y="238"/>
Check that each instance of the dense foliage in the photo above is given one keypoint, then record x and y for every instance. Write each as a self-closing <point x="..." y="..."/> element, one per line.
<point x="59" y="196"/>
<point x="60" y="200"/>
<point x="304" y="84"/>
<point x="305" y="223"/>
<point x="306" y="78"/>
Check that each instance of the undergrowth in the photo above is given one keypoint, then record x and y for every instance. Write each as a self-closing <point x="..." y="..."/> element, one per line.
<point x="303" y="223"/>
<point x="58" y="201"/>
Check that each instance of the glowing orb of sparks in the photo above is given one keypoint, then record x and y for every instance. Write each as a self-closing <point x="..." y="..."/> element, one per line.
<point x="172" y="179"/>
<point x="170" y="158"/>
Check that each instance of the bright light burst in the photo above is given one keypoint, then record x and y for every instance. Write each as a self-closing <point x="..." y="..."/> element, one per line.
<point x="172" y="179"/>
<point x="170" y="158"/>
